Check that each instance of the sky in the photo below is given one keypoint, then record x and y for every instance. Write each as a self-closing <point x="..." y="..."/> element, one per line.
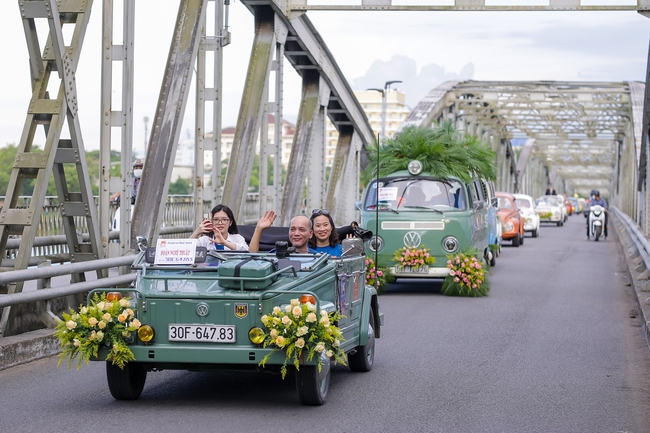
<point x="422" y="49"/>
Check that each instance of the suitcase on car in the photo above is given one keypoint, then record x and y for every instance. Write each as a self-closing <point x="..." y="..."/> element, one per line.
<point x="255" y="272"/>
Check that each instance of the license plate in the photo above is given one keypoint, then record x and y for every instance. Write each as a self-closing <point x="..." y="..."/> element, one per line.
<point x="409" y="270"/>
<point x="203" y="333"/>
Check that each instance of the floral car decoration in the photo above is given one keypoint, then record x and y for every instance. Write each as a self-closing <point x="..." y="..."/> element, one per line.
<point x="379" y="276"/>
<point x="466" y="276"/>
<point x="298" y="329"/>
<point x="104" y="322"/>
<point x="413" y="257"/>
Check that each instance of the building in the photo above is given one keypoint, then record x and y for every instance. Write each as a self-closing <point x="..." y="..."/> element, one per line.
<point x="371" y="103"/>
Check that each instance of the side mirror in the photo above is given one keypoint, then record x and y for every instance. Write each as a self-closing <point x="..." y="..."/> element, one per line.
<point x="495" y="202"/>
<point x="141" y="243"/>
<point x="477" y="205"/>
<point x="357" y="205"/>
<point x="352" y="247"/>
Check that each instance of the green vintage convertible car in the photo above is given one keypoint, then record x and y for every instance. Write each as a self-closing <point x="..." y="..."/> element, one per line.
<point x="208" y="314"/>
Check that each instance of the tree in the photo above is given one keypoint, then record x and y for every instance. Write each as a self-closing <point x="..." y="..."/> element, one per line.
<point x="179" y="187"/>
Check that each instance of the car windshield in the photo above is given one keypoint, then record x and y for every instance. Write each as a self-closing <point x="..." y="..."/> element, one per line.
<point x="504" y="203"/>
<point x="416" y="193"/>
<point x="522" y="203"/>
<point x="548" y="200"/>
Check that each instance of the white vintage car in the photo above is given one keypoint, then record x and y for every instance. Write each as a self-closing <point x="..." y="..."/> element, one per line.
<point x="526" y="206"/>
<point x="549" y="208"/>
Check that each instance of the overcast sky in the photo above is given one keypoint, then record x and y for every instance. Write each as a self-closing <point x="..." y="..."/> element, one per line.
<point x="422" y="49"/>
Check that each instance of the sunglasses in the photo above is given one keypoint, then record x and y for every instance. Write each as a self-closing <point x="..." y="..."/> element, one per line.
<point x="317" y="212"/>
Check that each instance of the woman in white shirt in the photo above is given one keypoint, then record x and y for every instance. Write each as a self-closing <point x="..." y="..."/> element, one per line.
<point x="220" y="231"/>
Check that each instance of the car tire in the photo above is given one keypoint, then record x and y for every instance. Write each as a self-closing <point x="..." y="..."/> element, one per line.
<point x="312" y="385"/>
<point x="516" y="241"/>
<point x="125" y="383"/>
<point x="364" y="357"/>
<point x="536" y="232"/>
<point x="493" y="260"/>
<point x="523" y="235"/>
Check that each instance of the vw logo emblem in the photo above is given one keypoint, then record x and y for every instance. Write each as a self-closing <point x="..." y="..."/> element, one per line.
<point x="202" y="309"/>
<point x="412" y="239"/>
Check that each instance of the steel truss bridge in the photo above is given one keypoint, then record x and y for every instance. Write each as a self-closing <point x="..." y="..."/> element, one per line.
<point x="578" y="134"/>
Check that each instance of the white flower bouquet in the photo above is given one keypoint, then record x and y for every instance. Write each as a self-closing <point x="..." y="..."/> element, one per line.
<point x="298" y="330"/>
<point x="107" y="321"/>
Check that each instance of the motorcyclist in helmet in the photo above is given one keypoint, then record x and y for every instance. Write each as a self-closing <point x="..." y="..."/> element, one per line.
<point x="597" y="201"/>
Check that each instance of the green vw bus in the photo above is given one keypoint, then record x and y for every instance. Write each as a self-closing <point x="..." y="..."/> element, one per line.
<point x="414" y="209"/>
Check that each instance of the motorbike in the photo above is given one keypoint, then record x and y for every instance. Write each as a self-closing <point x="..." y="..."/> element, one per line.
<point x="596" y="222"/>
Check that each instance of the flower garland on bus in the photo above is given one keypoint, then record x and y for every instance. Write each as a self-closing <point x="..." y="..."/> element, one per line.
<point x="381" y="276"/>
<point x="413" y="257"/>
<point x="466" y="276"/>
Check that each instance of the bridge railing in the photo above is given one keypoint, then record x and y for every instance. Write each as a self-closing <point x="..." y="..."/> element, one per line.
<point x="178" y="221"/>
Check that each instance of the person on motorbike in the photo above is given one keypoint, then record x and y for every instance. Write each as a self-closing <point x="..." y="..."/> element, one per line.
<point x="597" y="201"/>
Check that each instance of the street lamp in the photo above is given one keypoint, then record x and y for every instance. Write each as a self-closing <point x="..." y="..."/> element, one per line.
<point x="384" y="95"/>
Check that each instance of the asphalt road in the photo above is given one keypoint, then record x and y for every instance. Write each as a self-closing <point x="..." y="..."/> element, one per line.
<point x="555" y="347"/>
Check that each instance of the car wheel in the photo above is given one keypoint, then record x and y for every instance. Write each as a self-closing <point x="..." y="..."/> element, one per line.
<point x="516" y="241"/>
<point x="523" y="235"/>
<point x="536" y="232"/>
<point x="493" y="260"/>
<point x="312" y="385"/>
<point x="125" y="383"/>
<point x="364" y="356"/>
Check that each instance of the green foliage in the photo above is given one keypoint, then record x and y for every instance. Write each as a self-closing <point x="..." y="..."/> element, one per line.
<point x="180" y="187"/>
<point x="443" y="151"/>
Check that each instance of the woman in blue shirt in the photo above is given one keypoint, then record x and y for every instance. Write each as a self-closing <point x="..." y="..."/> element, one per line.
<point x="325" y="238"/>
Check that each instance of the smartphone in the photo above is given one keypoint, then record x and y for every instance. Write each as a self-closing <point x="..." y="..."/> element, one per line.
<point x="206" y="216"/>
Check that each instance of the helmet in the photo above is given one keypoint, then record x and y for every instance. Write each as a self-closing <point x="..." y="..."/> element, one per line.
<point x="138" y="163"/>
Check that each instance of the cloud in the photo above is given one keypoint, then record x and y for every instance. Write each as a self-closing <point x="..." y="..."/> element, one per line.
<point x="415" y="85"/>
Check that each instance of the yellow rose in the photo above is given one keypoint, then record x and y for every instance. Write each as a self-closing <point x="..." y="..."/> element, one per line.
<point x="70" y="324"/>
<point x="336" y="343"/>
<point x="311" y="318"/>
<point x="286" y="321"/>
<point x="295" y="302"/>
<point x="129" y="312"/>
<point x="287" y="309"/>
<point x="100" y="335"/>
<point x="101" y="306"/>
<point x="329" y="353"/>
<point x="277" y="310"/>
<point x="135" y="323"/>
<point x="265" y="319"/>
<point x="122" y="317"/>
<point x="320" y="347"/>
<point x="297" y="312"/>
<point x="302" y="331"/>
<point x="77" y="343"/>
<point x="279" y="341"/>
<point x="107" y="317"/>
<point x="92" y="321"/>
<point x="102" y="325"/>
<point x="84" y="310"/>
<point x="92" y="335"/>
<point x="124" y="302"/>
<point x="274" y="333"/>
<point x="300" y="343"/>
<point x="108" y="305"/>
<point x="126" y="334"/>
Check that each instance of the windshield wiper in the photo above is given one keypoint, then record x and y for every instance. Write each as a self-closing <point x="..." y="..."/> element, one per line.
<point x="424" y="207"/>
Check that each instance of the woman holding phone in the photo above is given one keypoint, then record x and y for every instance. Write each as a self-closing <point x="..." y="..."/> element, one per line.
<point x="220" y="230"/>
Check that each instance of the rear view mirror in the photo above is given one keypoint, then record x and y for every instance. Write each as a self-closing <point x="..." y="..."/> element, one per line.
<point x="495" y="202"/>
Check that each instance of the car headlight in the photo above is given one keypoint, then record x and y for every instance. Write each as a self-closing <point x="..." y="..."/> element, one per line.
<point x="256" y="335"/>
<point x="509" y="226"/>
<point x="450" y="244"/>
<point x="376" y="243"/>
<point x="146" y="333"/>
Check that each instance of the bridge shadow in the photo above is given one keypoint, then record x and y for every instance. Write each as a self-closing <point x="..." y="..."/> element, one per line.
<point x="405" y="286"/>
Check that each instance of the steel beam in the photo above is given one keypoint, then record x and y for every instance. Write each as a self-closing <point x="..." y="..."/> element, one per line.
<point x="166" y="126"/>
